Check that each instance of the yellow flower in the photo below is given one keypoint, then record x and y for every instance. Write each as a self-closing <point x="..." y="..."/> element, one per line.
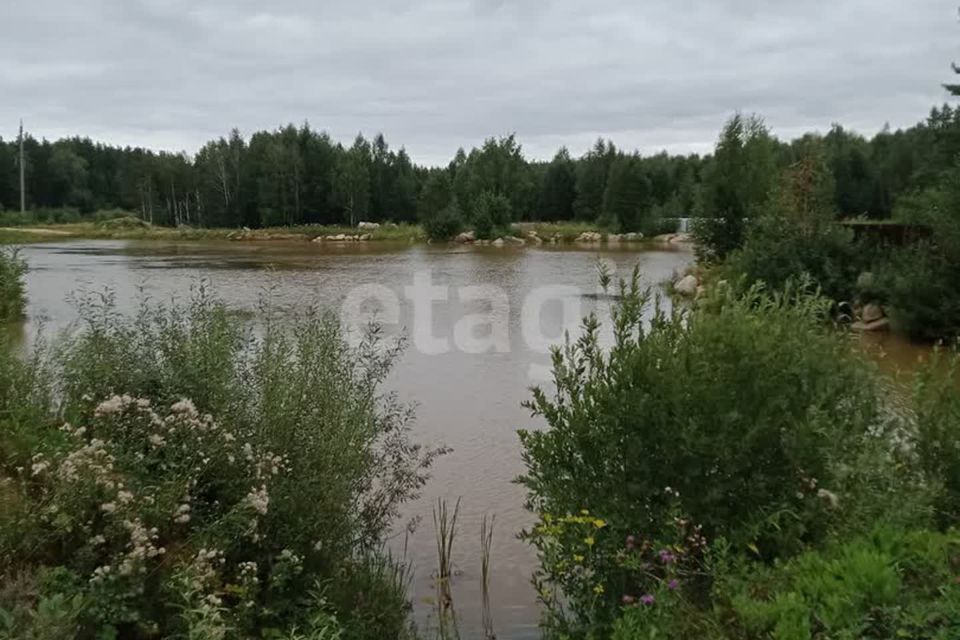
<point x="589" y="541"/>
<point x="599" y="524"/>
<point x="577" y="557"/>
<point x="598" y="589"/>
<point x="584" y="512"/>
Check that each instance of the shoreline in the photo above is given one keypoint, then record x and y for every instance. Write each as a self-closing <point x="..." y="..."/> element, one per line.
<point x="522" y="234"/>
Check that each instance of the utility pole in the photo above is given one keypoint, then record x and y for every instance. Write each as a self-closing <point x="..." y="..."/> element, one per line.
<point x="23" y="192"/>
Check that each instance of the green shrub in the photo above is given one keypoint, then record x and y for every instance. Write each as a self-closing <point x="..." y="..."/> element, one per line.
<point x="777" y="250"/>
<point x="919" y="282"/>
<point x="749" y="409"/>
<point x="936" y="401"/>
<point x="887" y="585"/>
<point x="919" y="286"/>
<point x="491" y="215"/>
<point x="12" y="288"/>
<point x="197" y="478"/>
<point x="444" y="224"/>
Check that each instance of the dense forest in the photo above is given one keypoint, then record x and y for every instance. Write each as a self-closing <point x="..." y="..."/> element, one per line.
<point x="302" y="176"/>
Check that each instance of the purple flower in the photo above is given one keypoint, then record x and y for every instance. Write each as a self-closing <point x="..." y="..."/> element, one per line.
<point x="647" y="599"/>
<point x="672" y="585"/>
<point x="666" y="556"/>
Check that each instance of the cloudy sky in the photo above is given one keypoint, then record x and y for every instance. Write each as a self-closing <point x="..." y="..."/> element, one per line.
<point x="434" y="75"/>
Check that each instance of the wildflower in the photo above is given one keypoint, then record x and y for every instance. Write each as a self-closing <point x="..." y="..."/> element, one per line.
<point x="156" y="440"/>
<point x="259" y="499"/>
<point x="108" y="507"/>
<point x="598" y="589"/>
<point x="631" y="542"/>
<point x="589" y="541"/>
<point x="672" y="585"/>
<point x="185" y="406"/>
<point x="647" y="599"/>
<point x="112" y="405"/>
<point x="666" y="556"/>
<point x="628" y="600"/>
<point x="577" y="557"/>
<point x="599" y="524"/>
<point x="584" y="512"/>
<point x="830" y="497"/>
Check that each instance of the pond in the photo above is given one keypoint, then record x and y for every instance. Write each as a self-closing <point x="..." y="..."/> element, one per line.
<point x="479" y="322"/>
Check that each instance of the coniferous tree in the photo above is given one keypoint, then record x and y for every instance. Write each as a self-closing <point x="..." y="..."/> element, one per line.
<point x="559" y="188"/>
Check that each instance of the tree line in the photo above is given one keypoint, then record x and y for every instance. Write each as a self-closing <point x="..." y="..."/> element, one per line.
<point x="298" y="175"/>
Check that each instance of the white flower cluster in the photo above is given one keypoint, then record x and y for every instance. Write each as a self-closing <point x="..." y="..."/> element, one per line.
<point x="142" y="547"/>
<point x="114" y="405"/>
<point x="259" y="500"/>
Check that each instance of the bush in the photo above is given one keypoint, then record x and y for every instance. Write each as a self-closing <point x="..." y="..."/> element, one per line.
<point x="936" y="401"/>
<point x="12" y="288"/>
<point x="919" y="282"/>
<point x="444" y="224"/>
<point x="491" y="215"/>
<point x="919" y="286"/>
<point x="196" y="479"/>
<point x="743" y="416"/>
<point x="890" y="584"/>
<point x="777" y="250"/>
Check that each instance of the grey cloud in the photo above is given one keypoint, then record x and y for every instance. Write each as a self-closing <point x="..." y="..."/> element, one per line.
<point x="434" y="75"/>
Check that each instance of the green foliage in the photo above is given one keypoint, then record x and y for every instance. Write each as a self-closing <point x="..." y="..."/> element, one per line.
<point x="12" y="288"/>
<point x="743" y="415"/>
<point x="352" y="183"/>
<point x="918" y="282"/>
<point x="491" y="215"/>
<point x="445" y="223"/>
<point x="891" y="584"/>
<point x="797" y="234"/>
<point x="736" y="185"/>
<point x="197" y="481"/>
<point x="592" y="173"/>
<point x="498" y="167"/>
<point x="936" y="400"/>
<point x="626" y="199"/>
<point x="736" y="408"/>
<point x="559" y="188"/>
<point x="435" y="197"/>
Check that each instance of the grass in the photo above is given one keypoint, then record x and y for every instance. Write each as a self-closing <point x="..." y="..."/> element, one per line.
<point x="12" y="294"/>
<point x="486" y="548"/>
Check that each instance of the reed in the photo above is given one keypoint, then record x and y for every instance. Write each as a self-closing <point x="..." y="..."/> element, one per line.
<point x="486" y="548"/>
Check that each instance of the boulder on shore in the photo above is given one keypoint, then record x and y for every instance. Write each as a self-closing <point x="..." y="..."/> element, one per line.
<point x="633" y="236"/>
<point x="877" y="325"/>
<point x="516" y="240"/>
<point x="498" y="242"/>
<point x="368" y="225"/>
<point x="589" y="236"/>
<point x="871" y="313"/>
<point x="466" y="237"/>
<point x="686" y="286"/>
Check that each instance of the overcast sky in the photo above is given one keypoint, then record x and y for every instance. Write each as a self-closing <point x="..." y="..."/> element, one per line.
<point x="434" y="75"/>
